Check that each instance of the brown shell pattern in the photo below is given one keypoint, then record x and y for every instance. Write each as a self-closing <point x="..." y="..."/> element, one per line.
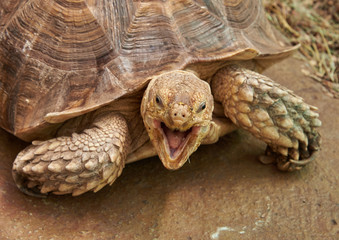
<point x="77" y="55"/>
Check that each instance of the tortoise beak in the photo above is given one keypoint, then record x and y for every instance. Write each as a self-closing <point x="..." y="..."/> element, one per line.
<point x="174" y="146"/>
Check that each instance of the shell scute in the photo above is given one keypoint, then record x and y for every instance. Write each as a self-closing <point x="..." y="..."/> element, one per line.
<point x="85" y="54"/>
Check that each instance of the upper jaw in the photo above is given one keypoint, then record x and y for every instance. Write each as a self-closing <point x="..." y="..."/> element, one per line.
<point x="175" y="146"/>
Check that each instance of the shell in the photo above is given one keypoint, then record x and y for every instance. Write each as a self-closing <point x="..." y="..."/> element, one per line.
<point x="60" y="59"/>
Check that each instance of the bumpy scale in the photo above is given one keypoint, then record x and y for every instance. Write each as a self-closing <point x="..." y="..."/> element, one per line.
<point x="76" y="164"/>
<point x="271" y="113"/>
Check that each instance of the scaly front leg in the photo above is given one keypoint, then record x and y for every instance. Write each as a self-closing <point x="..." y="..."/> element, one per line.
<point x="271" y="113"/>
<point x="76" y="164"/>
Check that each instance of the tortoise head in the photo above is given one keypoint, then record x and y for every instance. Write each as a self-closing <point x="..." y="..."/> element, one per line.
<point x="177" y="111"/>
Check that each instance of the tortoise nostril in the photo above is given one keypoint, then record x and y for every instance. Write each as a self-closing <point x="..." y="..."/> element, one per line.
<point x="180" y="113"/>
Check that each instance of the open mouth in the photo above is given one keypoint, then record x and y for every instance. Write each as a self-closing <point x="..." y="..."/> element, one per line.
<point x="176" y="140"/>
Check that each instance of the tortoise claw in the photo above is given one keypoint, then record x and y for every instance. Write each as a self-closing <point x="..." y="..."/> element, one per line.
<point x="303" y="162"/>
<point x="285" y="163"/>
<point x="284" y="166"/>
<point x="294" y="165"/>
<point x="22" y="183"/>
<point x="264" y="159"/>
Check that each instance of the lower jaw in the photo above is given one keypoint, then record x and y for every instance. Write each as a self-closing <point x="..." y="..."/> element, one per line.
<point x="180" y="159"/>
<point x="171" y="165"/>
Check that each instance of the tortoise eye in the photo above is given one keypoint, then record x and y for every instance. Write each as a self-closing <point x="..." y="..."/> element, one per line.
<point x="201" y="107"/>
<point x="158" y="100"/>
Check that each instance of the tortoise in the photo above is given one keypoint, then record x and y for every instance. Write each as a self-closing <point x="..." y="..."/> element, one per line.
<point x="93" y="85"/>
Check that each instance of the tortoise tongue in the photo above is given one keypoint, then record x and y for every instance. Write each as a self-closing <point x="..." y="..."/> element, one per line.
<point x="174" y="138"/>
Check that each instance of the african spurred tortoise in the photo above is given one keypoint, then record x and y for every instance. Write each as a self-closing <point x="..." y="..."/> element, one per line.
<point x="96" y="84"/>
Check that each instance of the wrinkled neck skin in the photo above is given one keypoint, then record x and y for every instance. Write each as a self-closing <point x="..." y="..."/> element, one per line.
<point x="177" y="112"/>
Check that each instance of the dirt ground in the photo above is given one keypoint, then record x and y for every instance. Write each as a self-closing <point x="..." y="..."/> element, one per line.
<point x="223" y="193"/>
